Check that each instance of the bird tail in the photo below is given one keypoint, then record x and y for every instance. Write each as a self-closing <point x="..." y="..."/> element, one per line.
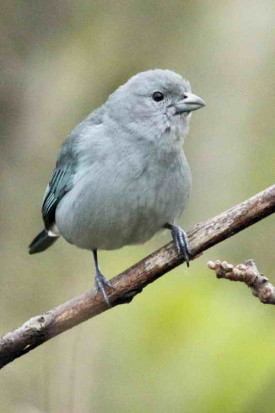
<point x="41" y="242"/>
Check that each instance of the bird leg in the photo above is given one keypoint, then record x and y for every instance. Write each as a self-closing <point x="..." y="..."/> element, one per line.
<point x="101" y="282"/>
<point x="181" y="241"/>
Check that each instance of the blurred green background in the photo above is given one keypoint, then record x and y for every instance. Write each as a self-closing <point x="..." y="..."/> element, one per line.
<point x="189" y="342"/>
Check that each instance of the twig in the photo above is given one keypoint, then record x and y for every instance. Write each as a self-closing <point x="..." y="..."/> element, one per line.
<point x="249" y="274"/>
<point x="126" y="285"/>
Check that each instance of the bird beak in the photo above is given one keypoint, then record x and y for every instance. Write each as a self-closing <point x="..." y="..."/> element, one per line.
<point x="189" y="103"/>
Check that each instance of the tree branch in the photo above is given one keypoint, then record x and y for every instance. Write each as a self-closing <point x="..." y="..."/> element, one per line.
<point x="249" y="274"/>
<point x="126" y="285"/>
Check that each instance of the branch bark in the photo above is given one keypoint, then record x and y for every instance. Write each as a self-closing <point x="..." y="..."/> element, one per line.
<point x="249" y="274"/>
<point x="129" y="283"/>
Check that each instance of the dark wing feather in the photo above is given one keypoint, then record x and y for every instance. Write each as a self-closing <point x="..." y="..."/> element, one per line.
<point x="58" y="186"/>
<point x="61" y="181"/>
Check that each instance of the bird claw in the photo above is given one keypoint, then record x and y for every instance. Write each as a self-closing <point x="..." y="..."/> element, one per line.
<point x="101" y="284"/>
<point x="181" y="242"/>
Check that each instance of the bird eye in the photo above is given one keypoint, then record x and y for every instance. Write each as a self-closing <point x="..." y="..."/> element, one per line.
<point x="158" y="96"/>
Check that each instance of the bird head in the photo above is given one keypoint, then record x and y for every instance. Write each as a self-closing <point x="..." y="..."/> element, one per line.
<point x="153" y="102"/>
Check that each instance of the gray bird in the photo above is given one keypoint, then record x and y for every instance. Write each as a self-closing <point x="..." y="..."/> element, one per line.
<point x="121" y="175"/>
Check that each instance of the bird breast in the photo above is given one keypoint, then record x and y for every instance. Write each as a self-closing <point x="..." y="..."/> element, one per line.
<point x="124" y="200"/>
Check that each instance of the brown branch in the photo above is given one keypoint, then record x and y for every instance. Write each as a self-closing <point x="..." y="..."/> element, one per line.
<point x="249" y="274"/>
<point x="126" y="285"/>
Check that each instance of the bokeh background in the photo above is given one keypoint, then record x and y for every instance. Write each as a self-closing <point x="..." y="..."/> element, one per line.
<point x="189" y="342"/>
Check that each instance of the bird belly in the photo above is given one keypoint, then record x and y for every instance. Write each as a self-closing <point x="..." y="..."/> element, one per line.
<point x="122" y="210"/>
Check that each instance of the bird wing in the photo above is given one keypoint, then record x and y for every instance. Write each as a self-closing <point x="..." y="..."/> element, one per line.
<point x="62" y="177"/>
<point x="61" y="181"/>
<point x="57" y="188"/>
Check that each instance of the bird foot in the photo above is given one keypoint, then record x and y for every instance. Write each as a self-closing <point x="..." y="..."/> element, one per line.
<point x="181" y="242"/>
<point x="101" y="284"/>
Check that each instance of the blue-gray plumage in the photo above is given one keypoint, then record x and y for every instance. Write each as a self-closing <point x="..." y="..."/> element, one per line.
<point x="121" y="175"/>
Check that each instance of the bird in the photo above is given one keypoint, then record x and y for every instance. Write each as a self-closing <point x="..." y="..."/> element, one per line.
<point x="121" y="176"/>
